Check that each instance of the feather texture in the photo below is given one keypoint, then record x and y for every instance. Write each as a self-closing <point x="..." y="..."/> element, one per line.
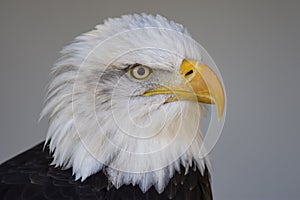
<point x="97" y="120"/>
<point x="30" y="176"/>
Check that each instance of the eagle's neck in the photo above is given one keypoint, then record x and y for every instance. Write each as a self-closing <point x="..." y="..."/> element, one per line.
<point x="103" y="141"/>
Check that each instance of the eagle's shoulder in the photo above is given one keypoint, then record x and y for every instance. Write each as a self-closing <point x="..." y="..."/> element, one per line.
<point x="29" y="175"/>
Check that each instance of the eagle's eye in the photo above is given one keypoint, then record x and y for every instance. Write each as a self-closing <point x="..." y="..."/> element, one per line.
<point x="140" y="72"/>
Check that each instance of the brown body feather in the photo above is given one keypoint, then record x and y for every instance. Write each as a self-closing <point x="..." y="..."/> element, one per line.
<point x="30" y="176"/>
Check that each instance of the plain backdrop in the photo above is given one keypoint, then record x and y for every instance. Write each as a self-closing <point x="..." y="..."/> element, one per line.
<point x="255" y="44"/>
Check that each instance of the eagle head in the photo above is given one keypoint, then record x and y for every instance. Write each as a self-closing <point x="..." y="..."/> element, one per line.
<point x="127" y="98"/>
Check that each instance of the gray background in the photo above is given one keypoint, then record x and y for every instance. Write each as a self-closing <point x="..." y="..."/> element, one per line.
<point x="254" y="43"/>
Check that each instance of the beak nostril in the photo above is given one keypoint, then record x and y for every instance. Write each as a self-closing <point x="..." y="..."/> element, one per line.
<point x="189" y="73"/>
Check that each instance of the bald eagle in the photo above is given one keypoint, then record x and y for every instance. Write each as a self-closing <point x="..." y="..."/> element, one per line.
<point x="124" y="104"/>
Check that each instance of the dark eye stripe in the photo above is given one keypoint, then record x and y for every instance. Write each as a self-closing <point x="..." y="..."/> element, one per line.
<point x="130" y="66"/>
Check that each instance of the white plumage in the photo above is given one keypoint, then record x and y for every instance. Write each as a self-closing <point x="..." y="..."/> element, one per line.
<point x="97" y="120"/>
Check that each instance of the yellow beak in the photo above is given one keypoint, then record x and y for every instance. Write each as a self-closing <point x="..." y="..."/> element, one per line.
<point x="199" y="83"/>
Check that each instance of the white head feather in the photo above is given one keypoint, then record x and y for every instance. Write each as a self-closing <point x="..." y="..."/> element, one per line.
<point x="97" y="120"/>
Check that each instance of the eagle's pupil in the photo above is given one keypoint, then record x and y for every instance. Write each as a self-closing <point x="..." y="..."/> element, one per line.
<point x="141" y="71"/>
